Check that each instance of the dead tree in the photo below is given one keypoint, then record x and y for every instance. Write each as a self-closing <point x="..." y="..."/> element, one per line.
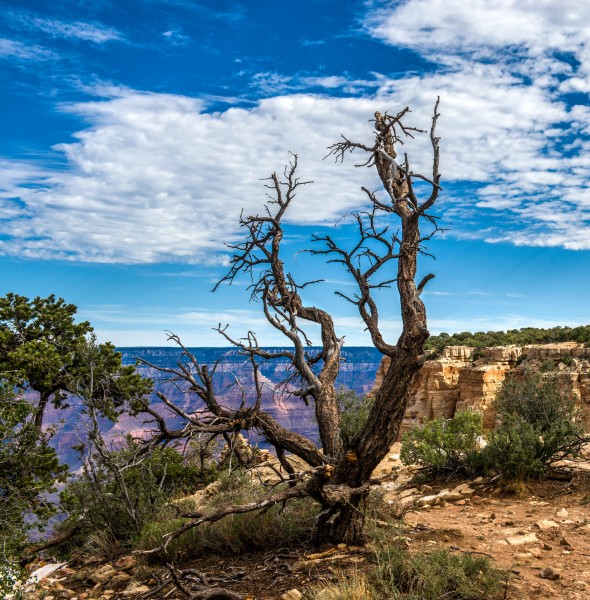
<point x="382" y="256"/>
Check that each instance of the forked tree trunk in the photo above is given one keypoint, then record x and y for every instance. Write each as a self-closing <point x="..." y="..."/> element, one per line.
<point x="342" y="523"/>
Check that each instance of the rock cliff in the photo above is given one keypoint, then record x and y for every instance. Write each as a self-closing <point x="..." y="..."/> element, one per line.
<point x="468" y="378"/>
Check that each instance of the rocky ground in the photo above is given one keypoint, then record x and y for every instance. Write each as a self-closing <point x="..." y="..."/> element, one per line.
<point x="541" y="538"/>
<point x="539" y="533"/>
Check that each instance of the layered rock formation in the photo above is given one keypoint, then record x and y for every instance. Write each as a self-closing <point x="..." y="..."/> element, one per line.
<point x="468" y="378"/>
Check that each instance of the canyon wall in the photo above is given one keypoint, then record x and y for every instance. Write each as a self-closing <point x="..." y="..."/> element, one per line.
<point x="468" y="378"/>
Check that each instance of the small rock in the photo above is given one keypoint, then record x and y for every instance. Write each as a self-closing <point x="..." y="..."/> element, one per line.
<point x="119" y="580"/>
<point x="427" y="500"/>
<point x="449" y="496"/>
<point x="461" y="502"/>
<point x="523" y="556"/>
<point x="342" y="546"/>
<point x="425" y="489"/>
<point x="408" y="492"/>
<point x="547" y="547"/>
<point x="134" y="589"/>
<point x="550" y="574"/>
<point x="92" y="560"/>
<point x="536" y="552"/>
<point x="293" y="594"/>
<point x="546" y="524"/>
<point x="103" y="574"/>
<point x="125" y="563"/>
<point x="562" y="513"/>
<point x="517" y="540"/>
<point x="464" y="489"/>
<point x="564" y="542"/>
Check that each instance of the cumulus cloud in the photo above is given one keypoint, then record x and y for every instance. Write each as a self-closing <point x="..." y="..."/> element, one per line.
<point x="507" y="68"/>
<point x="155" y="177"/>
<point x="437" y="27"/>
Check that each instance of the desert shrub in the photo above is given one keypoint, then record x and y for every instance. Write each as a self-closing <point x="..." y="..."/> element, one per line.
<point x="114" y="498"/>
<point x="10" y="576"/>
<point x="401" y="575"/>
<point x="444" y="445"/>
<point x="538" y="426"/>
<point x="354" y="411"/>
<point x="567" y="360"/>
<point x="233" y="534"/>
<point x="433" y="575"/>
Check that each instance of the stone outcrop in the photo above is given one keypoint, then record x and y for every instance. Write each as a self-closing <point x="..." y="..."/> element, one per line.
<point x="468" y="378"/>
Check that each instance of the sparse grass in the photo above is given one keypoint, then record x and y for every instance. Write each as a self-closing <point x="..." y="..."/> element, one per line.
<point x="234" y="534"/>
<point x="401" y="575"/>
<point x="434" y="575"/>
<point x="351" y="586"/>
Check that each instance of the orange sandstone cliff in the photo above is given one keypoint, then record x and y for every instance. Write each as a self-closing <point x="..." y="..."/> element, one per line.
<point x="468" y="378"/>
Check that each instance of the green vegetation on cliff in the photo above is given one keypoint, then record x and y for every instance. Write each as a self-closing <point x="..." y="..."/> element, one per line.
<point x="519" y="337"/>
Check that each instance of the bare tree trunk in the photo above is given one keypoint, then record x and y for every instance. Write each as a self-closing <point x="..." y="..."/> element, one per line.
<point x="338" y="476"/>
<point x="341" y="523"/>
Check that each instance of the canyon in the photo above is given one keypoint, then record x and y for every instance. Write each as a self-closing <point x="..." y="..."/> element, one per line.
<point x="461" y="378"/>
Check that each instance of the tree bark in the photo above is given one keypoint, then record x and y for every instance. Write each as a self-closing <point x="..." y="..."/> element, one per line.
<point x="40" y="411"/>
<point x="341" y="523"/>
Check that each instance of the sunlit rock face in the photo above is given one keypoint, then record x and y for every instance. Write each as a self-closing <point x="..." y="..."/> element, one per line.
<point x="468" y="378"/>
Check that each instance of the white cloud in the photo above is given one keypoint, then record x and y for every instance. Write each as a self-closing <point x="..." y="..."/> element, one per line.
<point x="503" y="69"/>
<point x="175" y="37"/>
<point x="17" y="50"/>
<point x="89" y="32"/>
<point x="448" y="26"/>
<point x="155" y="178"/>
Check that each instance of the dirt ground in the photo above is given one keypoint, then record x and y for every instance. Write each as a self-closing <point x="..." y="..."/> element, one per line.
<point x="540" y="536"/>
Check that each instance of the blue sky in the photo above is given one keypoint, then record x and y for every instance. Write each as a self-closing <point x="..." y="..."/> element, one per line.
<point x="134" y="132"/>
